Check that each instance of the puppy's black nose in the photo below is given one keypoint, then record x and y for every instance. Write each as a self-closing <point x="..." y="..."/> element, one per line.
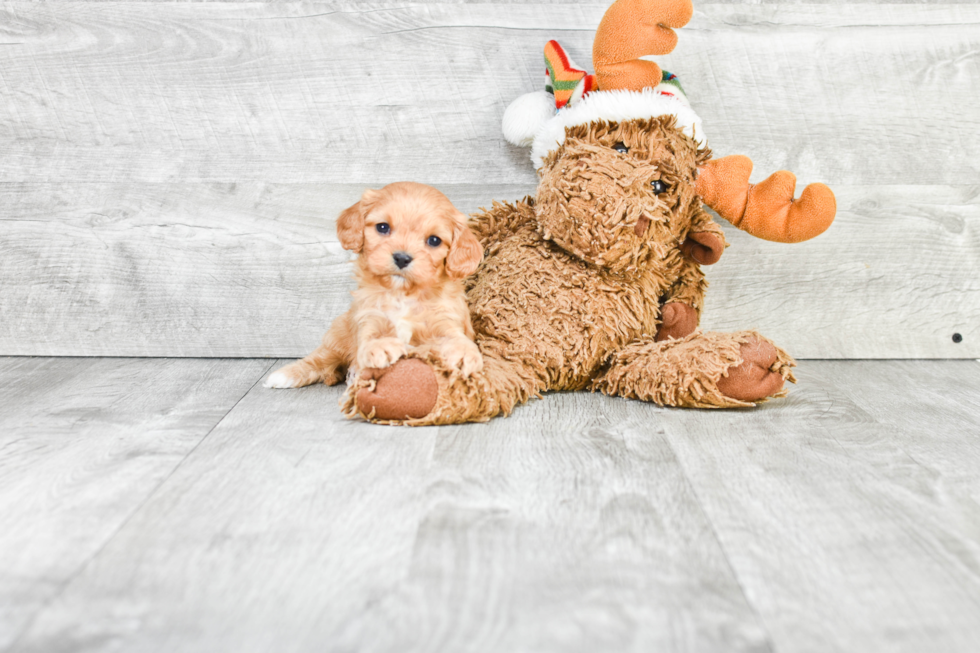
<point x="401" y="259"/>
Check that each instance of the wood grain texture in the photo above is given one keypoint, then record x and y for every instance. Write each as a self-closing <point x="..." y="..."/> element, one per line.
<point x="561" y="2"/>
<point x="176" y="269"/>
<point x="569" y="528"/>
<point x="346" y="92"/>
<point x="849" y="511"/>
<point x="83" y="444"/>
<point x="169" y="168"/>
<point x="842" y="518"/>
<point x="896" y="276"/>
<point x="256" y="270"/>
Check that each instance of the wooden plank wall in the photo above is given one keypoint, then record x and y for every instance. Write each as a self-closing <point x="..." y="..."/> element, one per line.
<point x="169" y="173"/>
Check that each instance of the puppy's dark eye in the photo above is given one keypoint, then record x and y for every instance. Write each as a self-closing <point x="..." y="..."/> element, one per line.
<point x="383" y="227"/>
<point x="621" y="148"/>
<point x="433" y="241"/>
<point x="658" y="186"/>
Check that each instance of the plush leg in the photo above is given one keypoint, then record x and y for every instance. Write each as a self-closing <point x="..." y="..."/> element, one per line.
<point x="422" y="390"/>
<point x="703" y="370"/>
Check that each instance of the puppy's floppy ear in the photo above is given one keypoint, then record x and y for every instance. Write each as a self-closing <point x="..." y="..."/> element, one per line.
<point x="465" y="253"/>
<point x="350" y="222"/>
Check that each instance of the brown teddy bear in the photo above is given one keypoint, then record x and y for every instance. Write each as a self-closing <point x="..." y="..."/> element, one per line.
<point x="596" y="282"/>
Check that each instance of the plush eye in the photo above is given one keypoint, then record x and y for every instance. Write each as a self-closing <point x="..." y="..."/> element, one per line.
<point x="433" y="241"/>
<point x="621" y="148"/>
<point x="383" y="227"/>
<point x="658" y="186"/>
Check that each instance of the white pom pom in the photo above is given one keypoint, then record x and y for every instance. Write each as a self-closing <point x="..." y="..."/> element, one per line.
<point x="526" y="115"/>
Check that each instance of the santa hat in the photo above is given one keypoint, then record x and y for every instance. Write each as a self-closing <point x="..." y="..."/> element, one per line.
<point x="623" y="88"/>
<point x="626" y="87"/>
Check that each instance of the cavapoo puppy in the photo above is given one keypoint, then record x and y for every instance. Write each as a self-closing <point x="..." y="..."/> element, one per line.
<point x="414" y="248"/>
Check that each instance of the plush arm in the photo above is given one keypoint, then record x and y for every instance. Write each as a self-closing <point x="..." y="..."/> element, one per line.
<point x="705" y="242"/>
<point x="689" y="287"/>
<point x="704" y="245"/>
<point x="681" y="307"/>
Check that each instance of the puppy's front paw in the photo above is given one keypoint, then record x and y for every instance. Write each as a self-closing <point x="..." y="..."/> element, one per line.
<point x="462" y="354"/>
<point x="380" y="353"/>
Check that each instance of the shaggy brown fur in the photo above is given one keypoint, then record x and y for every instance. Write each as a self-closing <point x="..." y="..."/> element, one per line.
<point x="570" y="292"/>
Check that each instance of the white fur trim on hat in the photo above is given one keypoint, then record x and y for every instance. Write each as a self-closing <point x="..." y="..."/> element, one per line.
<point x="612" y="106"/>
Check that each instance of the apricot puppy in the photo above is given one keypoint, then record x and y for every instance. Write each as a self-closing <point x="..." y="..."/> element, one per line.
<point x="414" y="249"/>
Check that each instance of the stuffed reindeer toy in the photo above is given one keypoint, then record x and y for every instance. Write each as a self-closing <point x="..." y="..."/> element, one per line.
<point x="596" y="282"/>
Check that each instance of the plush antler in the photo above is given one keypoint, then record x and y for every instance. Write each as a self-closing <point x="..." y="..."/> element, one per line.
<point x="631" y="29"/>
<point x="766" y="210"/>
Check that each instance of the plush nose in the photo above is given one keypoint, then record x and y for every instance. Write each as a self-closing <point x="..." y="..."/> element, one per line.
<point x="401" y="259"/>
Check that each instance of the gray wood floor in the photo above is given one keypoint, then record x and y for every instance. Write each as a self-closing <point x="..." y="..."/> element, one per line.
<point x="176" y="505"/>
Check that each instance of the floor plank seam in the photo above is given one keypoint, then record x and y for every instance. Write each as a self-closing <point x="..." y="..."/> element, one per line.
<point x="770" y="643"/>
<point x="82" y="567"/>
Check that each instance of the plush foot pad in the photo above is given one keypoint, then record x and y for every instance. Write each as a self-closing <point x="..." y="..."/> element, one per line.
<point x="754" y="379"/>
<point x="704" y="247"/>
<point x="406" y="390"/>
<point x="677" y="321"/>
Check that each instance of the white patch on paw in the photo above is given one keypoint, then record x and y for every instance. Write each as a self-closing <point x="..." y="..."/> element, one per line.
<point x="352" y="374"/>
<point x="279" y="380"/>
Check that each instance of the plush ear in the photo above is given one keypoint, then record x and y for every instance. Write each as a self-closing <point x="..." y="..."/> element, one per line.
<point x="350" y="222"/>
<point x="465" y="253"/>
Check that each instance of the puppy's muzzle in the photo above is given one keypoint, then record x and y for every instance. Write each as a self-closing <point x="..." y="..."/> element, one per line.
<point x="401" y="259"/>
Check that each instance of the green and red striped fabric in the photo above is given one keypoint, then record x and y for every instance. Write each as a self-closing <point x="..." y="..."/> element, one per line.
<point x="563" y="77"/>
